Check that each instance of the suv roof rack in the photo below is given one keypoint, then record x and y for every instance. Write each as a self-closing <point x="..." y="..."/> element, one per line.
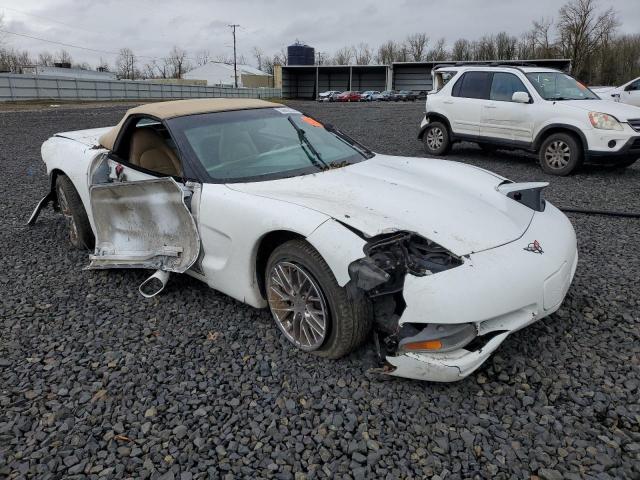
<point x="502" y="64"/>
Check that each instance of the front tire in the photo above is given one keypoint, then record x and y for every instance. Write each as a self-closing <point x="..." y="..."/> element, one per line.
<point x="309" y="307"/>
<point x="560" y="154"/>
<point x="80" y="233"/>
<point x="436" y="139"/>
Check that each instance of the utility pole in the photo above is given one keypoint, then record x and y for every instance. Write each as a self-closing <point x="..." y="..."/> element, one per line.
<point x="235" y="65"/>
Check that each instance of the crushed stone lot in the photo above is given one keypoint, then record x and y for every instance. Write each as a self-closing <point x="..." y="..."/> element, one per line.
<point x="98" y="382"/>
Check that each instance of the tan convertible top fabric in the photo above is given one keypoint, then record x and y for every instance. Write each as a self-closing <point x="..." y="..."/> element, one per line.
<point x="180" y="108"/>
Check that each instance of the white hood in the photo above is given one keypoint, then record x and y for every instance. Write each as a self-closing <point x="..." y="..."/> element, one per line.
<point x="451" y="203"/>
<point x="621" y="111"/>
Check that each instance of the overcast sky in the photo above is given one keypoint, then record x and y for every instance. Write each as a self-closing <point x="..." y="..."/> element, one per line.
<point x="152" y="27"/>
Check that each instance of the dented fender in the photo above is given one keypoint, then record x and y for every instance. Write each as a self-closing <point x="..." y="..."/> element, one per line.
<point x="339" y="247"/>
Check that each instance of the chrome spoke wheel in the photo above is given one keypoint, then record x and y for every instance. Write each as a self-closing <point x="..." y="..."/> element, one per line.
<point x="298" y="305"/>
<point x="558" y="154"/>
<point x="68" y="216"/>
<point x="435" y="138"/>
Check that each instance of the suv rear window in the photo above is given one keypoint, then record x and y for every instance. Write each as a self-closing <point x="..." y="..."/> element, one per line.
<point x="473" y="85"/>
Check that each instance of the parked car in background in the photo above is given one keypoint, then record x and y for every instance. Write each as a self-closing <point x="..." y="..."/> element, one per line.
<point x="387" y="95"/>
<point x="628" y="93"/>
<point x="348" y="96"/>
<point x="271" y="207"/>
<point x="328" y="96"/>
<point x="368" y="95"/>
<point x="405" y="96"/>
<point x="537" y="109"/>
<point x="420" y="94"/>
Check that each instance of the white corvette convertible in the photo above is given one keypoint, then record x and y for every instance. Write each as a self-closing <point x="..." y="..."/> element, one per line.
<point x="442" y="260"/>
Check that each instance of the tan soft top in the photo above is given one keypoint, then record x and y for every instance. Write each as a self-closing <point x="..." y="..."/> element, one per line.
<point x="180" y="108"/>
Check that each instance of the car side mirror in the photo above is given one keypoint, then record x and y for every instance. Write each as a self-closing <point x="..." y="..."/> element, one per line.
<point x="520" y="97"/>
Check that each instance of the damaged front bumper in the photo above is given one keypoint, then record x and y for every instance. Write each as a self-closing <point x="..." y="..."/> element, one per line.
<point x="501" y="290"/>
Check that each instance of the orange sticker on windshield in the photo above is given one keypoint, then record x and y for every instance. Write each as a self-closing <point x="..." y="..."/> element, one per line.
<point x="311" y="121"/>
<point x="581" y="86"/>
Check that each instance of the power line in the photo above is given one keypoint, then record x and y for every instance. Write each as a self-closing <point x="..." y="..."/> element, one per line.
<point x="46" y="19"/>
<point x="70" y="45"/>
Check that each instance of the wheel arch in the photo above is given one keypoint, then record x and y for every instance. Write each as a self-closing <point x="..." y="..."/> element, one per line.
<point x="337" y="245"/>
<point x="435" y="117"/>
<point x="266" y="245"/>
<point x="560" y="128"/>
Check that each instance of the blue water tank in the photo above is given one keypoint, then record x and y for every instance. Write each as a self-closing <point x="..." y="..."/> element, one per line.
<point x="300" y="54"/>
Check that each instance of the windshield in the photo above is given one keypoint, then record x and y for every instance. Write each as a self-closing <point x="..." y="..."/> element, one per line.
<point x="263" y="144"/>
<point x="559" y="86"/>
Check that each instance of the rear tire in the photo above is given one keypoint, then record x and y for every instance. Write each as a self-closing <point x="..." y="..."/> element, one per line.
<point x="346" y="310"/>
<point x="80" y="233"/>
<point x="436" y="139"/>
<point x="560" y="154"/>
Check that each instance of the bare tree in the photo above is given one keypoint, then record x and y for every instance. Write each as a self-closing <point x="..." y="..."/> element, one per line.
<point x="363" y="54"/>
<point x="45" y="59"/>
<point x="583" y="30"/>
<point x="506" y="46"/>
<point x="177" y="62"/>
<point x="461" y="50"/>
<point x="258" y="55"/>
<point x="343" y="56"/>
<point x="126" y="64"/>
<point x="14" y="60"/>
<point x="543" y="45"/>
<point x="388" y="53"/>
<point x="62" y="56"/>
<point x="439" y="51"/>
<point x="484" y="48"/>
<point x="283" y="56"/>
<point x="203" y="57"/>
<point x="1" y="25"/>
<point x="417" y="46"/>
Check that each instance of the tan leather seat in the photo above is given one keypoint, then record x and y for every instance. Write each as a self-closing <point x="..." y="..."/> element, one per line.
<point x="149" y="151"/>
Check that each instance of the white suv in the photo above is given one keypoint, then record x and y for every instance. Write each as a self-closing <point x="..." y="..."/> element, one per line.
<point x="537" y="109"/>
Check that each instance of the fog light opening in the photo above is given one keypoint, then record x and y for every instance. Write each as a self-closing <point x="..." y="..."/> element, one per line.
<point x="612" y="143"/>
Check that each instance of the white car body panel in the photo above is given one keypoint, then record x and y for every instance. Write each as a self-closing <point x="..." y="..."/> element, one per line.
<point x="405" y="188"/>
<point x="462" y="208"/>
<point x="622" y="94"/>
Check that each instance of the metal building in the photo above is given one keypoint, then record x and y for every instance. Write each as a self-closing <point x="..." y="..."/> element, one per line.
<point x="306" y="81"/>
<point x="417" y="75"/>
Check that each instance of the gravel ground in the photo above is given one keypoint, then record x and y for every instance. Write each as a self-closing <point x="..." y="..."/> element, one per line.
<point x="96" y="381"/>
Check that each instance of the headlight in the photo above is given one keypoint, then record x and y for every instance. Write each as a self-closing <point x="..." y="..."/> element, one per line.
<point x="604" y="121"/>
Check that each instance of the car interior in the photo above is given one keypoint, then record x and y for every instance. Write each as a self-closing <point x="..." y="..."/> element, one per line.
<point x="151" y="148"/>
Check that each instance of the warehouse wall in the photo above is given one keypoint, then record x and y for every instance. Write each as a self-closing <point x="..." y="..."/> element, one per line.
<point x="372" y="78"/>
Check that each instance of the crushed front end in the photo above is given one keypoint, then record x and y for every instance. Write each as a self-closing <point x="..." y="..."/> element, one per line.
<point x="438" y="316"/>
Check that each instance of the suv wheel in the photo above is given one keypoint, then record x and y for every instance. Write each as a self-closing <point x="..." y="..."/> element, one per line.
<point x="560" y="154"/>
<point x="436" y="139"/>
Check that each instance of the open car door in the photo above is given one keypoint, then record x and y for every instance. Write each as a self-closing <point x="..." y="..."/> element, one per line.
<point x="144" y="224"/>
